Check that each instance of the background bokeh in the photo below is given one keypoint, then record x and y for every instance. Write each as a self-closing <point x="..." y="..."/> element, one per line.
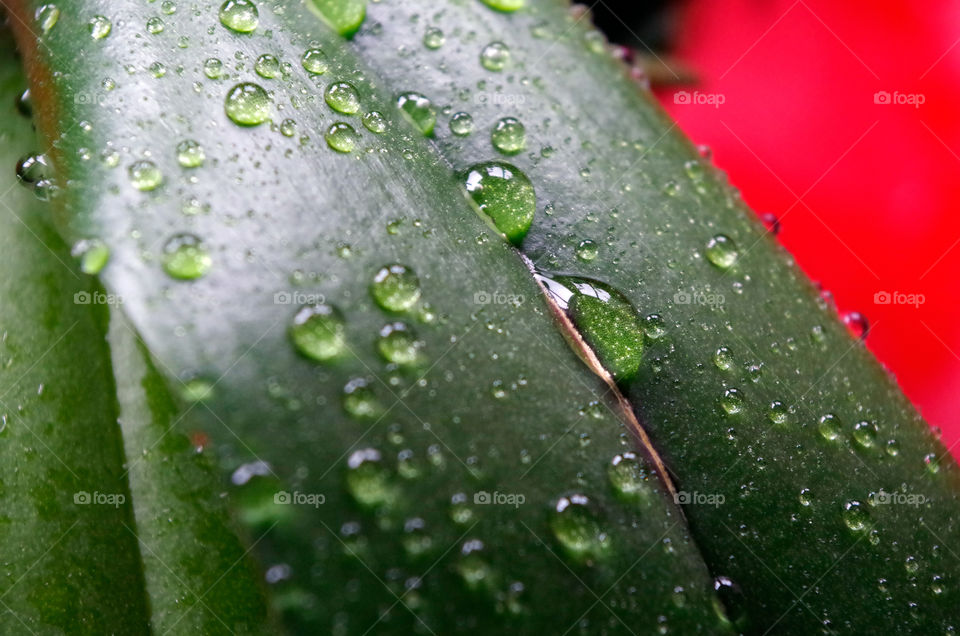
<point x="866" y="189"/>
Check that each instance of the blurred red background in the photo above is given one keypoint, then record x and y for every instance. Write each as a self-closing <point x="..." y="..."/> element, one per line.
<point x="866" y="192"/>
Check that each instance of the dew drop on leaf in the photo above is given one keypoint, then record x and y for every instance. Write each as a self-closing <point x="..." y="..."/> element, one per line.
<point x="267" y="66"/>
<point x="344" y="16"/>
<point x="723" y="358"/>
<point x="461" y="124"/>
<point x="433" y="38"/>
<point x="722" y="251"/>
<point x="247" y="104"/>
<point x="503" y="193"/>
<point x="419" y="111"/>
<point x="240" y="16"/>
<point x="509" y="136"/>
<point x="829" y="427"/>
<point x="342" y="97"/>
<point x="865" y="433"/>
<point x="93" y="255"/>
<point x="342" y="137"/>
<point x="47" y="17"/>
<point x="359" y="401"/>
<point x="185" y="257"/>
<point x="587" y="250"/>
<point x="100" y="27"/>
<point x="495" y="56"/>
<point x="319" y="332"/>
<point x="732" y="401"/>
<point x="395" y="288"/>
<point x="627" y="476"/>
<point x="375" y="122"/>
<point x="314" y="61"/>
<point x="33" y="168"/>
<point x="368" y="479"/>
<point x="855" y="516"/>
<point x="145" y="175"/>
<point x="507" y="6"/>
<point x="190" y="154"/>
<point x="576" y="528"/>
<point x="398" y="343"/>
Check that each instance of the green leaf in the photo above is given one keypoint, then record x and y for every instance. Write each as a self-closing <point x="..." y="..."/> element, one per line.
<point x="360" y="215"/>
<point x="111" y="523"/>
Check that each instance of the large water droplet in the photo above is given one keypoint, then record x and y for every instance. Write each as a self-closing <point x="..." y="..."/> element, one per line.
<point x="829" y="427"/>
<point x="504" y="194"/>
<point x="100" y="27"/>
<point x="359" y="399"/>
<point x="267" y="66"/>
<point x="368" y="480"/>
<point x="398" y="343"/>
<point x="855" y="516"/>
<point x="314" y="61"/>
<point x="608" y="322"/>
<point x="248" y="104"/>
<point x="32" y="169"/>
<point x="342" y="137"/>
<point x="628" y="477"/>
<point x="395" y="287"/>
<point x="241" y="16"/>
<point x="145" y="175"/>
<point x="495" y="56"/>
<point x="722" y="251"/>
<point x="509" y="136"/>
<point x="507" y="6"/>
<point x="461" y="124"/>
<point x="190" y="154"/>
<point x="865" y="433"/>
<point x="343" y="16"/>
<point x="342" y="97"/>
<point x="419" y="111"/>
<point x="319" y="332"/>
<point x="433" y="38"/>
<point x="185" y="257"/>
<point x="732" y="401"/>
<point x="576" y="527"/>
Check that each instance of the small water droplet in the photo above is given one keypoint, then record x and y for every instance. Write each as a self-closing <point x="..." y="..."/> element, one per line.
<point x="495" y="56"/>
<point x="93" y="255"/>
<point x="375" y="122"/>
<point x="829" y="427"/>
<point x="587" y="250"/>
<point x="722" y="251"/>
<point x="419" y="111"/>
<point x="100" y="27"/>
<point x="185" y="257"/>
<point x="806" y="497"/>
<point x="433" y="38"/>
<point x="865" y="433"/>
<point x="857" y="324"/>
<point x="342" y="97"/>
<point x="628" y="477"/>
<point x="503" y="193"/>
<point x="723" y="358"/>
<point x="368" y="479"/>
<point x="213" y="68"/>
<point x="778" y="413"/>
<point x="240" y="16"/>
<point x="342" y="137"/>
<point x="461" y="124"/>
<point x="395" y="288"/>
<point x="732" y="401"/>
<point x="509" y="136"/>
<point x="247" y="104"/>
<point x="190" y="154"/>
<point x="855" y="516"/>
<point x="359" y="399"/>
<point x="319" y="332"/>
<point x="267" y="66"/>
<point x="654" y="327"/>
<point x="33" y="169"/>
<point x="576" y="528"/>
<point x="932" y="462"/>
<point x="771" y="222"/>
<point x="398" y="343"/>
<point x="155" y="25"/>
<point x="25" y="104"/>
<point x="145" y="175"/>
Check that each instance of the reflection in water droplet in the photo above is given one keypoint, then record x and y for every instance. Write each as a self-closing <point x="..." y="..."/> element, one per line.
<point x="241" y="16"/>
<point x="319" y="332"/>
<point x="185" y="257"/>
<point x="398" y="343"/>
<point x="461" y="124"/>
<point x="829" y="427"/>
<point x="342" y="97"/>
<point x="495" y="56"/>
<point x="247" y="104"/>
<point x="419" y="111"/>
<point x="722" y="251"/>
<point x="342" y="137"/>
<point x="855" y="516"/>
<point x="190" y="154"/>
<point x="509" y="136"/>
<point x="395" y="288"/>
<point x="314" y="61"/>
<point x="505" y="194"/>
<point x="145" y="175"/>
<point x="576" y="528"/>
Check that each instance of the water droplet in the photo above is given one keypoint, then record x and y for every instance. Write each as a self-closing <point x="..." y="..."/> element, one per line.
<point x="359" y="400"/>
<point x="93" y="255"/>
<point x="576" y="527"/>
<point x="829" y="427"/>
<point x="185" y="257"/>
<point x="343" y="16"/>
<point x="416" y="541"/>
<point x="855" y="516"/>
<point x="732" y="401"/>
<point x="342" y="137"/>
<point x="395" y="288"/>
<point x="319" y="332"/>
<point x="99" y="26"/>
<point x="475" y="572"/>
<point x="33" y="169"/>
<point x="47" y="16"/>
<point x="433" y="38"/>
<point x="806" y="497"/>
<point x="342" y="97"/>
<point x="654" y="327"/>
<point x="587" y="250"/>
<point x="368" y="480"/>
<point x="771" y="222"/>
<point x="145" y="175"/>
<point x="865" y="433"/>
<point x="25" y="104"/>
<point x="495" y="56"/>
<point x="778" y="414"/>
<point x="241" y="16"/>
<point x="398" y="344"/>
<point x="723" y="358"/>
<point x="267" y="66"/>
<point x="722" y="251"/>
<point x="911" y="565"/>
<point x="190" y="154"/>
<point x="509" y="136"/>
<point x="155" y="25"/>
<point x="733" y="604"/>
<point x="507" y="6"/>
<point x="197" y="390"/>
<point x="932" y="462"/>
<point x="627" y="476"/>
<point x="375" y="122"/>
<point x="893" y="448"/>
<point x="213" y="68"/>
<point x="461" y="124"/>
<point x="605" y="318"/>
<point x="314" y="61"/>
<point x="419" y="111"/>
<point x="857" y="324"/>
<point x="248" y="104"/>
<point x="504" y="194"/>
